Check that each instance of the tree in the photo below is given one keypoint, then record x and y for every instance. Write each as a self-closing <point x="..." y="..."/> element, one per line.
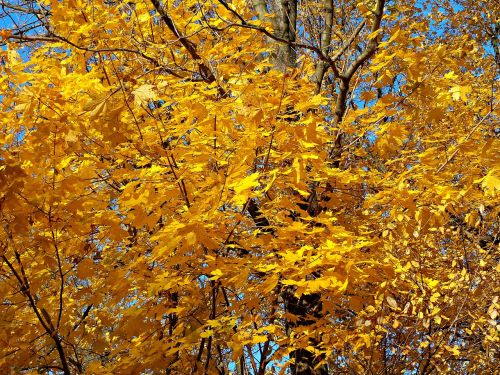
<point x="249" y="187"/>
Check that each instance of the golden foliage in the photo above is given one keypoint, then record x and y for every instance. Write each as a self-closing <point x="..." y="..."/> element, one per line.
<point x="168" y="199"/>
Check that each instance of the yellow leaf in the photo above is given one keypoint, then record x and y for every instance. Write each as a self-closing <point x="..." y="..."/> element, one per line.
<point x="490" y="183"/>
<point x="432" y="283"/>
<point x="460" y="92"/>
<point x="374" y="34"/>
<point x="216" y="274"/>
<point x="246" y="184"/>
<point x="424" y="344"/>
<point x="144" y="94"/>
<point x="298" y="170"/>
<point x="392" y="302"/>
<point x="435" y="311"/>
<point x="207" y="333"/>
<point x="259" y="339"/>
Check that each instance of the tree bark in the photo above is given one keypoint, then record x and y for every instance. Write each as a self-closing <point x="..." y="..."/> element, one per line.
<point x="285" y="55"/>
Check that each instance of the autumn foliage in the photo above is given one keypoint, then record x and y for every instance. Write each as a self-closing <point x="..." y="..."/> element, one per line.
<point x="249" y="187"/>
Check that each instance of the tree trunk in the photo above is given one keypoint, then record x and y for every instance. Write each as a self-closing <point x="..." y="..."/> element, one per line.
<point x="307" y="308"/>
<point x="285" y="55"/>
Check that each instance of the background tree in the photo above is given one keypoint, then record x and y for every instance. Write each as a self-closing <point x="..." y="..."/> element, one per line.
<point x="249" y="187"/>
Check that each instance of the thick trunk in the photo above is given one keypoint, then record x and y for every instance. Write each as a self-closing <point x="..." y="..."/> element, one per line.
<point x="285" y="19"/>
<point x="307" y="308"/>
<point x="326" y="38"/>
